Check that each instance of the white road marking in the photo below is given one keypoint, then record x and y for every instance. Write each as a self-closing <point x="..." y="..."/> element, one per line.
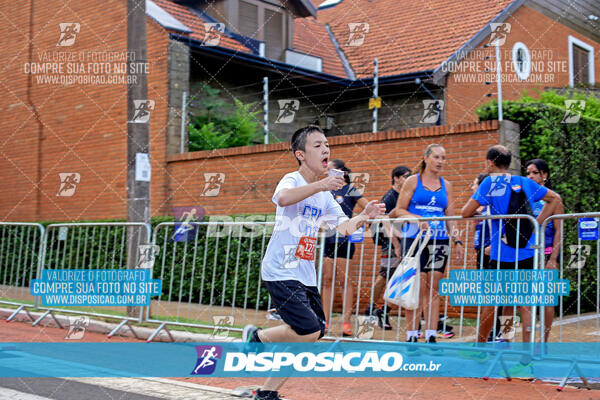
<point x="160" y="387"/>
<point x="10" y="394"/>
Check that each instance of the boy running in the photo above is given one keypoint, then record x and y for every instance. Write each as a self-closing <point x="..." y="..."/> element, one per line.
<point x="303" y="202"/>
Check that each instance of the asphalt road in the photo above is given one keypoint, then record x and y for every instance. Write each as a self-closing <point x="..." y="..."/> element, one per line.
<point x="61" y="389"/>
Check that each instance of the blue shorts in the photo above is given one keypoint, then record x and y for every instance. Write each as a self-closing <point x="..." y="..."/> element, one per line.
<point x="298" y="305"/>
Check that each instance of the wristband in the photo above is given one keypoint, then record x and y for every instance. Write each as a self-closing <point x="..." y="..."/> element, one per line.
<point x="459" y="242"/>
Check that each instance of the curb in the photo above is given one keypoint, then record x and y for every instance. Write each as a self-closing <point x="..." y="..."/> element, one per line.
<point x="105" y="328"/>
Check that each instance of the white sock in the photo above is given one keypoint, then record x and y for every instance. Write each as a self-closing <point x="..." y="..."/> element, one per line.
<point x="410" y="334"/>
<point x="429" y="333"/>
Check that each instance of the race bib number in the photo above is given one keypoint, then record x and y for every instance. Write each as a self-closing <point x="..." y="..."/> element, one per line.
<point x="306" y="248"/>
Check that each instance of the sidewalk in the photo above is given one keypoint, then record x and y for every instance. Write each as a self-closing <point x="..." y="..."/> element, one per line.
<point x="303" y="388"/>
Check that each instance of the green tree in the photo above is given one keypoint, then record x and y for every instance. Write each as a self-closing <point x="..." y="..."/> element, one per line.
<point x="216" y="124"/>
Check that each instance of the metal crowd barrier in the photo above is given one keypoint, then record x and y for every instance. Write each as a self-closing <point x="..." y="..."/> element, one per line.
<point x="365" y="266"/>
<point x="211" y="275"/>
<point x="95" y="245"/>
<point x="20" y="246"/>
<point x="573" y="261"/>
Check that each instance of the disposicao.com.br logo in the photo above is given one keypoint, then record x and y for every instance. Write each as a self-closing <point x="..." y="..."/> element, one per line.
<point x="350" y="362"/>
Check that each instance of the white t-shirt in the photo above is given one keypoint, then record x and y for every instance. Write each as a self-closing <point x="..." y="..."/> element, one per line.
<point x="292" y="222"/>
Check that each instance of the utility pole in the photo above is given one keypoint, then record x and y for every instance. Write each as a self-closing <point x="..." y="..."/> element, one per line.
<point x="138" y="131"/>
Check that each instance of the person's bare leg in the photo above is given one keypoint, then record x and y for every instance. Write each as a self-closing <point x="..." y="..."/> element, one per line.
<point x="548" y="318"/>
<point x="526" y="323"/>
<point x="348" y="296"/>
<point x="413" y="317"/>
<point x="433" y="316"/>
<point x="378" y="288"/>
<point x="282" y="333"/>
<point x="326" y="286"/>
<point x="486" y="323"/>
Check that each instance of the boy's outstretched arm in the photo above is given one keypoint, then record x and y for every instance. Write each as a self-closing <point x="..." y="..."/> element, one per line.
<point x="287" y="197"/>
<point x="373" y="209"/>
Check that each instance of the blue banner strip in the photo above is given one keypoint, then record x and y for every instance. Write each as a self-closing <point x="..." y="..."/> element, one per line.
<point x="321" y="359"/>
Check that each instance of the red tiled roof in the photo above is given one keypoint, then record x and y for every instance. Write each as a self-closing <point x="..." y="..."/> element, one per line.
<point x="311" y="37"/>
<point x="407" y="36"/>
<point x="196" y="24"/>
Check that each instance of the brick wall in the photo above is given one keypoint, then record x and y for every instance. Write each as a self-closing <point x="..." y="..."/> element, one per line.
<point x="251" y="173"/>
<point x="49" y="128"/>
<point x="547" y="41"/>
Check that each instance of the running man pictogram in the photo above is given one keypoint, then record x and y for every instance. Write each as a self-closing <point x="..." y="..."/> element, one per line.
<point x="499" y="33"/>
<point x="185" y="226"/>
<point x="213" y="182"/>
<point x="68" y="34"/>
<point x="68" y="183"/>
<point x="212" y="33"/>
<point x="207" y="359"/>
<point x="358" y="34"/>
<point x="287" y="111"/>
<point x="573" y="112"/>
<point x="432" y="111"/>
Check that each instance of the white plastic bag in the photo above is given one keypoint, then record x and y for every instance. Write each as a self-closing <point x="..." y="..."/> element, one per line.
<point x="403" y="287"/>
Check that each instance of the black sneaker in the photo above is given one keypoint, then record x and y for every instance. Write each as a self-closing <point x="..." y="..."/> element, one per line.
<point x="380" y="320"/>
<point x="250" y="339"/>
<point x="266" y="395"/>
<point x="440" y="327"/>
<point x="370" y="310"/>
<point x="248" y="334"/>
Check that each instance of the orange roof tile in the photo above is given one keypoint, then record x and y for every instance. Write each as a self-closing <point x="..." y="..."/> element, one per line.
<point x="184" y="15"/>
<point x="407" y="36"/>
<point x="311" y="37"/>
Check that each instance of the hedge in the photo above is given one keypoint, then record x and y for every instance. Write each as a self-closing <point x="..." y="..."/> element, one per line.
<point x="572" y="151"/>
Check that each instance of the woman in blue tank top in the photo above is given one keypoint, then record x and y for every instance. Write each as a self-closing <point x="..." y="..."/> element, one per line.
<point x="427" y="194"/>
<point x="539" y="172"/>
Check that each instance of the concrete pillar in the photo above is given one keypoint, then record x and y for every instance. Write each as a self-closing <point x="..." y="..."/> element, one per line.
<point x="509" y="133"/>
<point x="179" y="82"/>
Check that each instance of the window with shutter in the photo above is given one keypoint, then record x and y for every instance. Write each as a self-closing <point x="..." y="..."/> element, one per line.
<point x="248" y="19"/>
<point x="273" y="27"/>
<point x="581" y="68"/>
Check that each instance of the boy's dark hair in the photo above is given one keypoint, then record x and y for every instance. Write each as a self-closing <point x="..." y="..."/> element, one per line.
<point x="399" y="171"/>
<point x="499" y="155"/>
<point x="298" y="141"/>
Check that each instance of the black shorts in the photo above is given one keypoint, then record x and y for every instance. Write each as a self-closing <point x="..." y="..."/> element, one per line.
<point x="342" y="250"/>
<point x="433" y="257"/>
<point x="523" y="264"/>
<point x="298" y="305"/>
